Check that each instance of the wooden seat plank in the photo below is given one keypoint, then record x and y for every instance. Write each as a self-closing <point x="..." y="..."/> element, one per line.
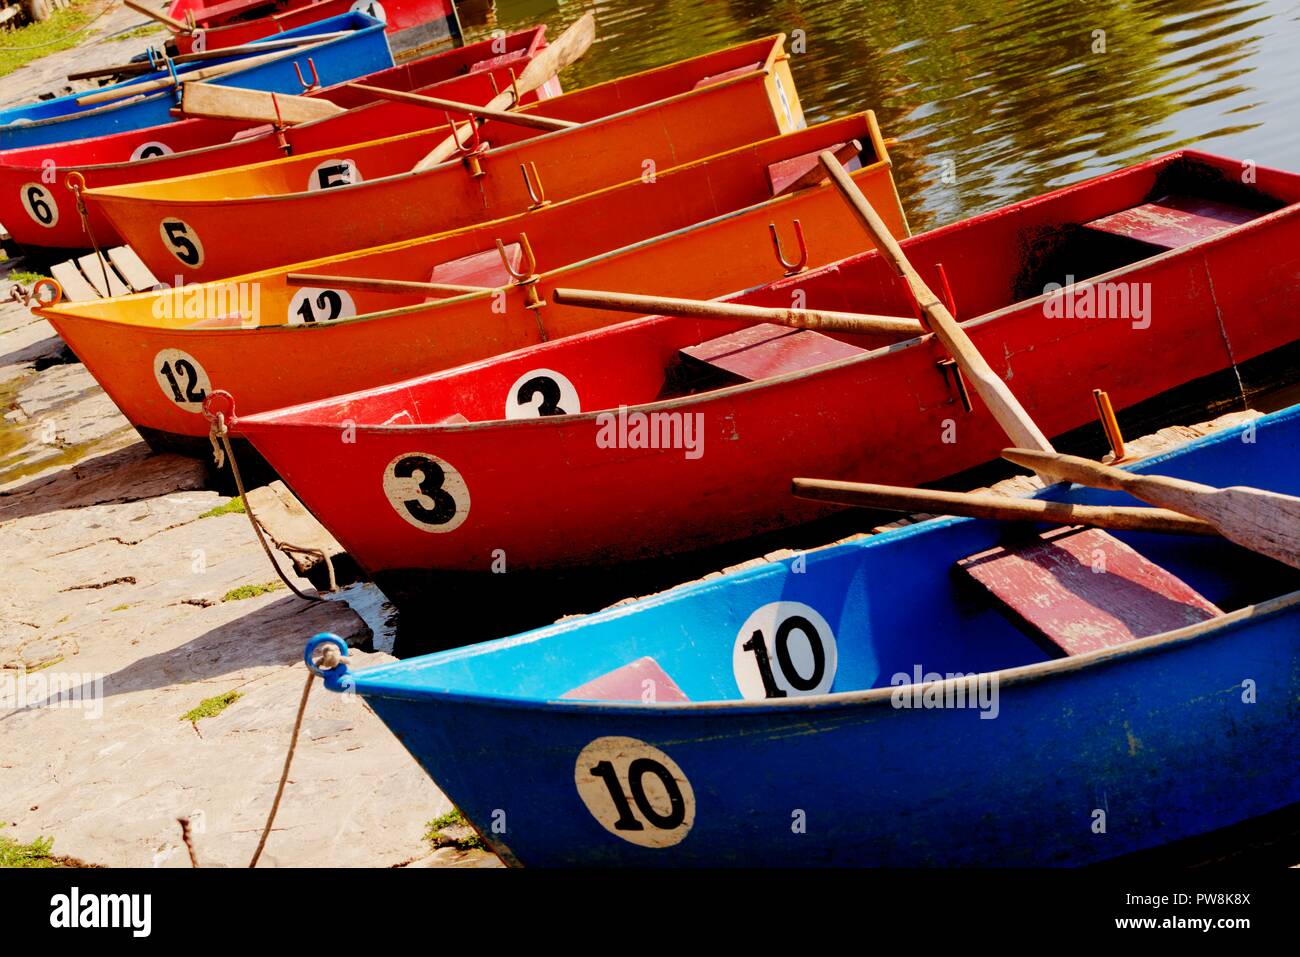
<point x="102" y="276"/>
<point x="1079" y="590"/>
<point x="766" y="350"/>
<point x="1174" y="220"/>
<point x="132" y="268"/>
<point x="634" y="681"/>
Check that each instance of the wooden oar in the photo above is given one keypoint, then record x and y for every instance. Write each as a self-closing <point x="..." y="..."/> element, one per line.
<point x="979" y="505"/>
<point x="175" y="25"/>
<point x="257" y="106"/>
<point x="143" y="66"/>
<point x="701" y="309"/>
<point x="568" y="47"/>
<point x="1002" y="403"/>
<point x="435" y="102"/>
<point x="366" y="284"/>
<point x="1263" y="521"/>
<point x="153" y="86"/>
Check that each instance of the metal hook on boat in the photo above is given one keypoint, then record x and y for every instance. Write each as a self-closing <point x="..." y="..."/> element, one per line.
<point x="315" y="77"/>
<point x="469" y="154"/>
<point x="798" y="266"/>
<point x="525" y="278"/>
<point x="329" y="664"/>
<point x="952" y="372"/>
<point x="534" y="183"/>
<point x="278" y="126"/>
<point x="514" y="85"/>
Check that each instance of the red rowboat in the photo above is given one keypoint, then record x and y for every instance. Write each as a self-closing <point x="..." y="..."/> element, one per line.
<point x="272" y="344"/>
<point x="662" y="435"/>
<point x="307" y="206"/>
<point x="39" y="212"/>
<point x="412" y="25"/>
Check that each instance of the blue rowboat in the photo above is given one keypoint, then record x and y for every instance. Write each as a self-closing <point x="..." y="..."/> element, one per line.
<point x="363" y="50"/>
<point x="643" y="735"/>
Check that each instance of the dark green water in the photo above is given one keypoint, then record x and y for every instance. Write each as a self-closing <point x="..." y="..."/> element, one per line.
<point x="1010" y="92"/>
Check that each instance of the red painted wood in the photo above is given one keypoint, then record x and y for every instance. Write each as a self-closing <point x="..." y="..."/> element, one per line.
<point x="1174" y="221"/>
<point x="766" y="350"/>
<point x="628" y="684"/>
<point x="782" y="174"/>
<point x="1081" y="590"/>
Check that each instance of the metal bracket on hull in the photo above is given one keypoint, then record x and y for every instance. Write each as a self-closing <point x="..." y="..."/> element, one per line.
<point x="526" y="278"/>
<point x="800" y="264"/>
<point x="533" y="182"/>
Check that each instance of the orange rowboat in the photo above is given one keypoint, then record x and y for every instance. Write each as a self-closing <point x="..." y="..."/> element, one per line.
<point x="221" y="224"/>
<point x="700" y="230"/>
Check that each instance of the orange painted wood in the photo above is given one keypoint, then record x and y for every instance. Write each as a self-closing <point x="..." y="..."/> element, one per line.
<point x="628" y="683"/>
<point x="768" y="350"/>
<point x="1081" y="590"/>
<point x="1174" y="221"/>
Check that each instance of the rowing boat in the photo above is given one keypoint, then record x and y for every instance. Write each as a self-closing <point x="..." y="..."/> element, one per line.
<point x="334" y="201"/>
<point x="272" y="344"/>
<point x="873" y="704"/>
<point x="38" y="212"/>
<point x="668" y="435"/>
<point x="361" y="50"/>
<point x="412" y="25"/>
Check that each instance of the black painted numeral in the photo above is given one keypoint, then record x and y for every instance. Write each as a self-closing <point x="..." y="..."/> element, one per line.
<point x="36" y="199"/>
<point x="340" y="174"/>
<point x="182" y="246"/>
<point x="192" y="391"/>
<point x="758" y="646"/>
<point x="328" y="301"/>
<point x="636" y="772"/>
<point x="444" y="505"/>
<point x="549" y="390"/>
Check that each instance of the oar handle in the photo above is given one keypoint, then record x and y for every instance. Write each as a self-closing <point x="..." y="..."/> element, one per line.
<point x="530" y="120"/>
<point x="849" y="322"/>
<point x="981" y="505"/>
<point x="175" y="25"/>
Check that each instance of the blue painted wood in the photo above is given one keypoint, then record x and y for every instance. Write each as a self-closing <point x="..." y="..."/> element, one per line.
<point x="1167" y="738"/>
<point x="364" y="50"/>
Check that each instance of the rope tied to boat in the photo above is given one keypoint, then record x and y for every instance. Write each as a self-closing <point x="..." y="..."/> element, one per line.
<point x="77" y="183"/>
<point x="219" y="436"/>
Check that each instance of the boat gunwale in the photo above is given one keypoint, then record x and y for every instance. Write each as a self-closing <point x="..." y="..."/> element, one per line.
<point x="696" y="400"/>
<point x="120" y="193"/>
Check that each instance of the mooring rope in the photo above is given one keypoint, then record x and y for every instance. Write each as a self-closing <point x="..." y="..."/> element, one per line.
<point x="284" y="775"/>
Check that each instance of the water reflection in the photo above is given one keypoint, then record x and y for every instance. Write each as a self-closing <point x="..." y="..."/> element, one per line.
<point x="1018" y="96"/>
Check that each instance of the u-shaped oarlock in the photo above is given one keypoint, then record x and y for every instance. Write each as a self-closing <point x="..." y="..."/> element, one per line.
<point x="534" y="183"/>
<point x="469" y="154"/>
<point x="525" y="278"/>
<point x="315" y="77"/>
<point x="798" y="266"/>
<point x="514" y="86"/>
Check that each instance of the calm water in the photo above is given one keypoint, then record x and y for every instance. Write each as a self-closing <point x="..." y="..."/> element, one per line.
<point x="1010" y="91"/>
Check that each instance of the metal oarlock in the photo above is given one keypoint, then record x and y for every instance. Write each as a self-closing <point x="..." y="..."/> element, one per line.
<point x="514" y="86"/>
<point x="526" y="278"/>
<point x="279" y="126"/>
<point x="534" y="184"/>
<point x="315" y="77"/>
<point x="798" y="266"/>
<point x="1109" y="424"/>
<point x="952" y="373"/>
<point x="469" y="154"/>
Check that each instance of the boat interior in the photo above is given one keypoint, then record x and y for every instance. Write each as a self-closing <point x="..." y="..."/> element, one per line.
<point x="1070" y="235"/>
<point x="953" y="596"/>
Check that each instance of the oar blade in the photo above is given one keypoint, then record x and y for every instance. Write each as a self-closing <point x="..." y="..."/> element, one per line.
<point x="567" y="48"/>
<point x="1263" y="521"/>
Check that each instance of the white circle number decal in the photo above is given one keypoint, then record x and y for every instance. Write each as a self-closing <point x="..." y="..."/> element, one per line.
<point x="539" y="393"/>
<point x="310" y="305"/>
<point x="150" y="150"/>
<point x="427" y="492"/>
<point x="371" y="8"/>
<point x="785" y="649"/>
<point x="635" y="791"/>
<point x="181" y="241"/>
<point x="181" y="379"/>
<point x="333" y="172"/>
<point x="39" y="203"/>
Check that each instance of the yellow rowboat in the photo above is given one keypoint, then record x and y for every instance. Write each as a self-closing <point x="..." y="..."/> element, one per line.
<point x="218" y="224"/>
<point x="700" y="230"/>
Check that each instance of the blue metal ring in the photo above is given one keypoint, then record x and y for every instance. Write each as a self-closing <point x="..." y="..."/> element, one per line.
<point x="337" y="678"/>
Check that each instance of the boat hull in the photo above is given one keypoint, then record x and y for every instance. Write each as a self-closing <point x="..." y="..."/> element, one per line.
<point x="470" y="74"/>
<point x="654" y="479"/>
<point x="412" y="25"/>
<point x="1067" y="761"/>
<point x="701" y="208"/>
<point x="252" y="218"/>
<point x="364" y="50"/>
